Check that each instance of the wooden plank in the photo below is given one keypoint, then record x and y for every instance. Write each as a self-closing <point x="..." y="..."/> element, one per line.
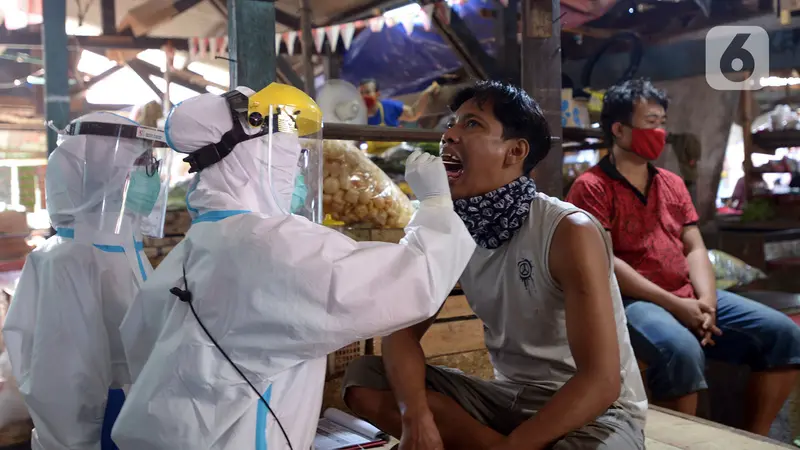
<point x="455" y="306"/>
<point x="456" y="336"/>
<point x="449" y="338"/>
<point x="686" y="432"/>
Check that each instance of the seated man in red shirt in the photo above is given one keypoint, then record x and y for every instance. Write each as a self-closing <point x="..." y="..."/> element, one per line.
<point x="676" y="316"/>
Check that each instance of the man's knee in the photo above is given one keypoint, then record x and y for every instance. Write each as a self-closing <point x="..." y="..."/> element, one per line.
<point x="614" y="430"/>
<point x="678" y="368"/>
<point x="364" y="385"/>
<point x="365" y="402"/>
<point x="763" y="337"/>
<point x="779" y="337"/>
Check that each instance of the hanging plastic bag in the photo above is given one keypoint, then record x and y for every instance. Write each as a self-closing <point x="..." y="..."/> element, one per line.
<point x="357" y="192"/>
<point x="732" y="272"/>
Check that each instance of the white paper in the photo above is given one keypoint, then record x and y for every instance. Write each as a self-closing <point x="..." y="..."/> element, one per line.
<point x="337" y="429"/>
<point x="353" y="423"/>
<point x="332" y="436"/>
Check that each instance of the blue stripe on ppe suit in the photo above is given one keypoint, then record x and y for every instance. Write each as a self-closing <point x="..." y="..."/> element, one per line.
<point x="116" y="397"/>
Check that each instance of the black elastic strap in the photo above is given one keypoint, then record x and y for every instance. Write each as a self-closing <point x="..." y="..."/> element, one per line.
<point x="102" y="129"/>
<point x="213" y="153"/>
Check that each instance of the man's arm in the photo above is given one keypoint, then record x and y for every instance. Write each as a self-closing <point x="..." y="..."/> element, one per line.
<point x="588" y="194"/>
<point x="635" y="285"/>
<point x="701" y="272"/>
<point x="413" y="113"/>
<point x="404" y="361"/>
<point x="581" y="267"/>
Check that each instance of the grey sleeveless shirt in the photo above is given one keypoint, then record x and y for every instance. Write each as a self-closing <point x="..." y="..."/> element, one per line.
<point x="510" y="289"/>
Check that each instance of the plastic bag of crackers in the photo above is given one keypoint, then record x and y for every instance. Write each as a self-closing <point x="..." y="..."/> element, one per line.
<point x="356" y="192"/>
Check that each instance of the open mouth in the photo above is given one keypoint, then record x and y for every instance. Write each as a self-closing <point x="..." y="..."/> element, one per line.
<point x="453" y="166"/>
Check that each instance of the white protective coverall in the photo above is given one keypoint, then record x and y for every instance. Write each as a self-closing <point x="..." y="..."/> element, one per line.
<point x="62" y="328"/>
<point x="277" y="292"/>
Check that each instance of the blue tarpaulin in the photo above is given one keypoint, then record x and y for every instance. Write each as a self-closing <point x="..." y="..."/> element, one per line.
<point x="404" y="64"/>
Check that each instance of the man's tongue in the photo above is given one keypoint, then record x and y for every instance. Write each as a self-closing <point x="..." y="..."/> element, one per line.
<point x="454" y="170"/>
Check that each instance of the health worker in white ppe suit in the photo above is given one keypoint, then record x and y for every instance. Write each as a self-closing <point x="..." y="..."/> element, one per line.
<point x="106" y="187"/>
<point x="227" y="341"/>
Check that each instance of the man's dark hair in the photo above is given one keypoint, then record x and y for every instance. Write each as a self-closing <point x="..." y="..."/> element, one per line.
<point x="368" y="81"/>
<point x="620" y="99"/>
<point x="520" y="115"/>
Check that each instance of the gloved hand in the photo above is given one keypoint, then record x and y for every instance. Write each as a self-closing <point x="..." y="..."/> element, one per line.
<point x="427" y="177"/>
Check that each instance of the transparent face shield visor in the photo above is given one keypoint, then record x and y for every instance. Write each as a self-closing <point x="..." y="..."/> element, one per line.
<point x="294" y="169"/>
<point x="124" y="178"/>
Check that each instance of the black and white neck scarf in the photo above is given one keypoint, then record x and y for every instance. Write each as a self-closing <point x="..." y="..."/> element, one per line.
<point x="495" y="217"/>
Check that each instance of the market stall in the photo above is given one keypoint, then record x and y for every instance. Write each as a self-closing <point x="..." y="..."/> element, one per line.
<point x="763" y="229"/>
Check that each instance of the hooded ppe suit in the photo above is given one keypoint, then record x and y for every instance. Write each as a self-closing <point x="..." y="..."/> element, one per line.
<point x="277" y="292"/>
<point x="62" y="328"/>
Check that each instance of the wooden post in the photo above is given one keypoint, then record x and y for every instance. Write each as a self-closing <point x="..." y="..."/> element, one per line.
<point x="308" y="48"/>
<point x="745" y="108"/>
<point x="251" y="43"/>
<point x="541" y="77"/>
<point x="169" y="53"/>
<point x="56" y="68"/>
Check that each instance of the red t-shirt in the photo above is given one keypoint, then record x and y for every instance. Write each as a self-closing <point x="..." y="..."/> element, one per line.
<point x="645" y="228"/>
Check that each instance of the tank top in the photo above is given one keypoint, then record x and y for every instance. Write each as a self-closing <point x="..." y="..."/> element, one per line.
<point x="522" y="308"/>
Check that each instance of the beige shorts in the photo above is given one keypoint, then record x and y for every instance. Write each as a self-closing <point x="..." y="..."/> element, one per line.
<point x="503" y="405"/>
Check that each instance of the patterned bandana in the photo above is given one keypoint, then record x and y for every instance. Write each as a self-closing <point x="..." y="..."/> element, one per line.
<point x="493" y="218"/>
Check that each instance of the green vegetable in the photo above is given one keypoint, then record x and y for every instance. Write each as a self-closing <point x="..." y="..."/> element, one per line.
<point x="758" y="210"/>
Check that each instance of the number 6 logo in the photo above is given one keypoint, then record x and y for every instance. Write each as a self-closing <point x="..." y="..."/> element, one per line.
<point x="737" y="57"/>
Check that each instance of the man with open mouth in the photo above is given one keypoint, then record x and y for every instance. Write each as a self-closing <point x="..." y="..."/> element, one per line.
<point x="542" y="282"/>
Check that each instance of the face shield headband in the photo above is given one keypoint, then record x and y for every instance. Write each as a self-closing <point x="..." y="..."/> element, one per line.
<point x="154" y="136"/>
<point x="213" y="153"/>
<point x="114" y="130"/>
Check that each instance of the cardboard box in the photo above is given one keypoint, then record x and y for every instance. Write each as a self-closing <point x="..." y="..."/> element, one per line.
<point x="574" y="112"/>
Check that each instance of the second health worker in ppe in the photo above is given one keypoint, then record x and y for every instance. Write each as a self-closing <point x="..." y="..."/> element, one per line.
<point x="106" y="187"/>
<point x="271" y="288"/>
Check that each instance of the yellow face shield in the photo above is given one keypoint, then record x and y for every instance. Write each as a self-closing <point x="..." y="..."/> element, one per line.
<point x="294" y="131"/>
<point x="295" y="109"/>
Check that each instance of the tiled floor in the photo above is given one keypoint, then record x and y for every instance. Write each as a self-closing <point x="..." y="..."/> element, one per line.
<point x="666" y="431"/>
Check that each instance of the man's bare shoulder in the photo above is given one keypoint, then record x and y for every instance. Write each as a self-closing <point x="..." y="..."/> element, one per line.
<point x="575" y="236"/>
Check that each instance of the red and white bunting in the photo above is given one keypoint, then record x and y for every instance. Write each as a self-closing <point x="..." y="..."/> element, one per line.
<point x="408" y="24"/>
<point x="212" y="48"/>
<point x="376" y="24"/>
<point x="224" y="45"/>
<point x="427" y="16"/>
<point x="217" y="46"/>
<point x="193" y="48"/>
<point x="348" y="31"/>
<point x="202" y="47"/>
<point x="290" y="37"/>
<point x="319" y="38"/>
<point x="333" y="35"/>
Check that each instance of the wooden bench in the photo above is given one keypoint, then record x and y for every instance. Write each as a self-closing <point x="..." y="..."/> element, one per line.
<point x="456" y="339"/>
<point x="668" y="430"/>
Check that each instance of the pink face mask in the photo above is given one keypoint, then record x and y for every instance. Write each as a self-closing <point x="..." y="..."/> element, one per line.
<point x="648" y="142"/>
